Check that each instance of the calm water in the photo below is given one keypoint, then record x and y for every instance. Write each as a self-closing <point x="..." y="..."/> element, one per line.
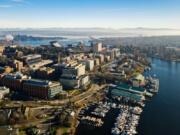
<point x="64" y="42"/>
<point x="161" y="115"/>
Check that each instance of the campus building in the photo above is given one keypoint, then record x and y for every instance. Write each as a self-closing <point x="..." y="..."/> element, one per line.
<point x="41" y="89"/>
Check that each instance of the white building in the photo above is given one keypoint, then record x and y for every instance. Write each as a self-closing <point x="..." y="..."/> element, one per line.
<point x="73" y="70"/>
<point x="3" y="91"/>
<point x="73" y="76"/>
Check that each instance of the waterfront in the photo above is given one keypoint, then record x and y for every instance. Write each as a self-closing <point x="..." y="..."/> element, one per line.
<point x="161" y="114"/>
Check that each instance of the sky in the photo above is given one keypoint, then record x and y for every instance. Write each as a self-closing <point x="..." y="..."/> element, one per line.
<point x="90" y="13"/>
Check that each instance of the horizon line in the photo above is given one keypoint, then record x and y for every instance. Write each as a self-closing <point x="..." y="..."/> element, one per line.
<point x="155" y="28"/>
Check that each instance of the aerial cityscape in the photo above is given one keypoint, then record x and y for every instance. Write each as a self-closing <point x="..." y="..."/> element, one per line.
<point x="89" y="67"/>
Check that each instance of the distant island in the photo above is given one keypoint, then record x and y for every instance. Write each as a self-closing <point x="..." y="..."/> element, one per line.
<point x="33" y="38"/>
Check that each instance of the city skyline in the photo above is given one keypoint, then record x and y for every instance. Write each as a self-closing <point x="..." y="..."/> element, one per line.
<point x="87" y="14"/>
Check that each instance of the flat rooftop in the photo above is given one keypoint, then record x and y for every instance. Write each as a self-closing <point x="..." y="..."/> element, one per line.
<point x="118" y="92"/>
<point x="130" y="88"/>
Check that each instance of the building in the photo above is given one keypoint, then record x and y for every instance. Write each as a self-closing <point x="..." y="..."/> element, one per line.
<point x="96" y="47"/>
<point x="10" y="51"/>
<point x="96" y="61"/>
<point x="41" y="89"/>
<point x="55" y="44"/>
<point x="6" y="69"/>
<point x="90" y="55"/>
<point x="44" y="72"/>
<point x="107" y="58"/>
<point x="138" y="81"/>
<point x="128" y="92"/>
<point x="116" y="52"/>
<point x="131" y="89"/>
<point x="1" y="49"/>
<point x="3" y="91"/>
<point x="1" y="78"/>
<point x="74" y="82"/>
<point x="89" y="64"/>
<point x="34" y="61"/>
<point x="110" y="53"/>
<point x="73" y="75"/>
<point x="66" y="59"/>
<point x="18" y="65"/>
<point x="14" y="81"/>
<point x="100" y="57"/>
<point x="73" y="69"/>
<point x="117" y="92"/>
<point x="113" y="53"/>
<point x="19" y="54"/>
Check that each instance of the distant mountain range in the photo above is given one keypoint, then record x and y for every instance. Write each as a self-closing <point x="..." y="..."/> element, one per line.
<point x="96" y="32"/>
<point x="81" y="29"/>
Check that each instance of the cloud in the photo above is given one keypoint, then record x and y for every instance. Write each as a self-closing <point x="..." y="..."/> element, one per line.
<point x="5" y="6"/>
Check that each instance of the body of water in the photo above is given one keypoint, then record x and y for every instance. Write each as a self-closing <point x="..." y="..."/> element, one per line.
<point x="64" y="42"/>
<point x="161" y="115"/>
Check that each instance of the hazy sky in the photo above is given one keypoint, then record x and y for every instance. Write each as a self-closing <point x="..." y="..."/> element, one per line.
<point x="90" y="13"/>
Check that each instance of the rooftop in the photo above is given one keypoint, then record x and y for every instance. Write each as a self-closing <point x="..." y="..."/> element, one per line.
<point x="126" y="94"/>
<point x="127" y="87"/>
<point x="40" y="82"/>
<point x="32" y="56"/>
<point x="37" y="82"/>
<point x="17" y="75"/>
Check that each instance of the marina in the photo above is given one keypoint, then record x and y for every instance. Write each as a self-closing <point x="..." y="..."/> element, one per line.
<point x="125" y="114"/>
<point x="124" y="105"/>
